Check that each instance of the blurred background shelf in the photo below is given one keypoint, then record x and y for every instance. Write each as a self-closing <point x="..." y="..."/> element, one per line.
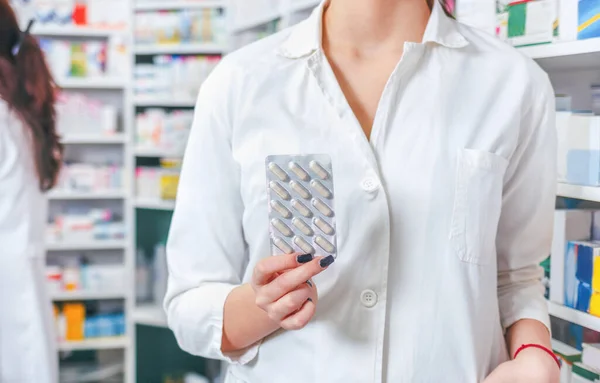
<point x="163" y="102"/>
<point x="154" y="204"/>
<point x="91" y="83"/>
<point x="75" y="31"/>
<point x="156" y="152"/>
<point x="574" y="316"/>
<point x="587" y="193"/>
<point x="150" y="315"/>
<point x="86" y="295"/>
<point x="89" y="245"/>
<point x="70" y="195"/>
<point x="183" y="48"/>
<point x="160" y="5"/>
<point x="72" y="139"/>
<point x="579" y="54"/>
<point x="94" y="344"/>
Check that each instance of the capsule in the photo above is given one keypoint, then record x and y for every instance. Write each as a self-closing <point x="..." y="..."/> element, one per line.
<point x="303" y="227"/>
<point x="300" y="190"/>
<point x="323" y="226"/>
<point x="322" y="207"/>
<point x="318" y="170"/>
<point x="298" y="171"/>
<point x="280" y="190"/>
<point x="275" y="169"/>
<point x="282" y="245"/>
<point x="282" y="227"/>
<point x="320" y="188"/>
<point x="303" y="245"/>
<point x="301" y="208"/>
<point x="278" y="207"/>
<point x="324" y="244"/>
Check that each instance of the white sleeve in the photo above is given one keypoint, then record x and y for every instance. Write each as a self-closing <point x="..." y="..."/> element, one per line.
<point x="525" y="230"/>
<point x="206" y="251"/>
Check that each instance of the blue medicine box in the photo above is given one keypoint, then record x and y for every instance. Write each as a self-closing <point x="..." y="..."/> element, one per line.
<point x="583" y="167"/>
<point x="584" y="294"/>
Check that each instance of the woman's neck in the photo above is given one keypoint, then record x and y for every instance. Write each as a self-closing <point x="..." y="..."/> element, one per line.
<point x="366" y="26"/>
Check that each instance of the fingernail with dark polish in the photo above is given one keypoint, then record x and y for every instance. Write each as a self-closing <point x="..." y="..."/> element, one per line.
<point x="309" y="299"/>
<point x="327" y="261"/>
<point x="304" y="258"/>
<point x="309" y="283"/>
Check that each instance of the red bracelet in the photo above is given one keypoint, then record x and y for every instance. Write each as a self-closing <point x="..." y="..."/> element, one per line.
<point x="547" y="350"/>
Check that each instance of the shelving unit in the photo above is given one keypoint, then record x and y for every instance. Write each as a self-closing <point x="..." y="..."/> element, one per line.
<point x="89" y="245"/>
<point x="586" y="193"/>
<point x="574" y="316"/>
<point x="69" y="195"/>
<point x="161" y="5"/>
<point x="573" y="55"/>
<point x="154" y="204"/>
<point x="91" y="83"/>
<point x="75" y="31"/>
<point x="95" y="344"/>
<point x="82" y="139"/>
<point x="156" y="152"/>
<point x="150" y="315"/>
<point x="87" y="295"/>
<point x="181" y="103"/>
<point x="181" y="49"/>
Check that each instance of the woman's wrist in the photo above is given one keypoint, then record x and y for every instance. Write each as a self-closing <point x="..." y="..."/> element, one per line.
<point x="538" y="364"/>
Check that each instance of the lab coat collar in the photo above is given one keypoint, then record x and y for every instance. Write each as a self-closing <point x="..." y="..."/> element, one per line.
<point x="306" y="37"/>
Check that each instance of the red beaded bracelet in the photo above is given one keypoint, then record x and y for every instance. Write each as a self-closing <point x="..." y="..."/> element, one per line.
<point x="547" y="350"/>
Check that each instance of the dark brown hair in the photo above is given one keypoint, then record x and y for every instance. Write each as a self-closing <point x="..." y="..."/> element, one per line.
<point x="29" y="90"/>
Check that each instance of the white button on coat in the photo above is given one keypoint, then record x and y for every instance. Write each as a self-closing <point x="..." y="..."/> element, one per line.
<point x="368" y="298"/>
<point x="370" y="184"/>
<point x="453" y="251"/>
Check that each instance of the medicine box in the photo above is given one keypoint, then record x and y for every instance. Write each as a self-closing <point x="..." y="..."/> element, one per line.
<point x="588" y="19"/>
<point x="569" y="225"/>
<point x="532" y="22"/>
<point x="578" y="148"/>
<point x="582" y="276"/>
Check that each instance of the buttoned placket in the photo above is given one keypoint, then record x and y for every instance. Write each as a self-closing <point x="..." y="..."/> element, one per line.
<point x="372" y="181"/>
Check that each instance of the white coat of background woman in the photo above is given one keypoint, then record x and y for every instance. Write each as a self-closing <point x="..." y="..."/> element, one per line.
<point x="442" y="142"/>
<point x="30" y="156"/>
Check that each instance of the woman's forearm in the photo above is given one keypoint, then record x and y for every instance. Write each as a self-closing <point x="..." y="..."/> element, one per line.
<point x="244" y="323"/>
<point x="527" y="331"/>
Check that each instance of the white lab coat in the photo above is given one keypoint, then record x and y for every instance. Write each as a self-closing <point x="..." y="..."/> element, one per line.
<point x="442" y="217"/>
<point x="27" y="342"/>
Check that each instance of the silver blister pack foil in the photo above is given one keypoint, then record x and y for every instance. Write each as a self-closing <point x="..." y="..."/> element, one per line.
<point x="301" y="204"/>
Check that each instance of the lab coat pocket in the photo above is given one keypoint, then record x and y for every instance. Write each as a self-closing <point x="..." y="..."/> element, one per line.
<point x="477" y="205"/>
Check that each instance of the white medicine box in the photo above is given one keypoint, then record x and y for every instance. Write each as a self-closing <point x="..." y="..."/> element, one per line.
<point x="578" y="148"/>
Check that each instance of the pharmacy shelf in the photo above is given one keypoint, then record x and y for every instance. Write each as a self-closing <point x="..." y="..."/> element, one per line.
<point x="300" y="5"/>
<point x="154" y="204"/>
<point x="266" y="17"/>
<point x="190" y="48"/>
<point x="70" y="195"/>
<point x="150" y="315"/>
<point x="75" y="31"/>
<point x="91" y="83"/>
<point x="167" y="103"/>
<point x="578" y="54"/>
<point x="73" y="139"/>
<point x="86" y="295"/>
<point x="89" y="245"/>
<point x="586" y="193"/>
<point x="156" y="152"/>
<point x="94" y="344"/>
<point x="162" y="5"/>
<point x="574" y="316"/>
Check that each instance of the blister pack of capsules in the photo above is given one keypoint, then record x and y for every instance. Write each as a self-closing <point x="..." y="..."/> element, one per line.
<point x="301" y="204"/>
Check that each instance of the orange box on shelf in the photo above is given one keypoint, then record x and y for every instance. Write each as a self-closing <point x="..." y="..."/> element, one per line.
<point x="75" y="318"/>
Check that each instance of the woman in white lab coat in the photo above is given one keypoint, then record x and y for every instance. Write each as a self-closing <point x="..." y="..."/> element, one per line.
<point x="443" y="152"/>
<point x="30" y="156"/>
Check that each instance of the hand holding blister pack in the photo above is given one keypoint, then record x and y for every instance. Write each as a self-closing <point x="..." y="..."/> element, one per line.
<point x="301" y="204"/>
